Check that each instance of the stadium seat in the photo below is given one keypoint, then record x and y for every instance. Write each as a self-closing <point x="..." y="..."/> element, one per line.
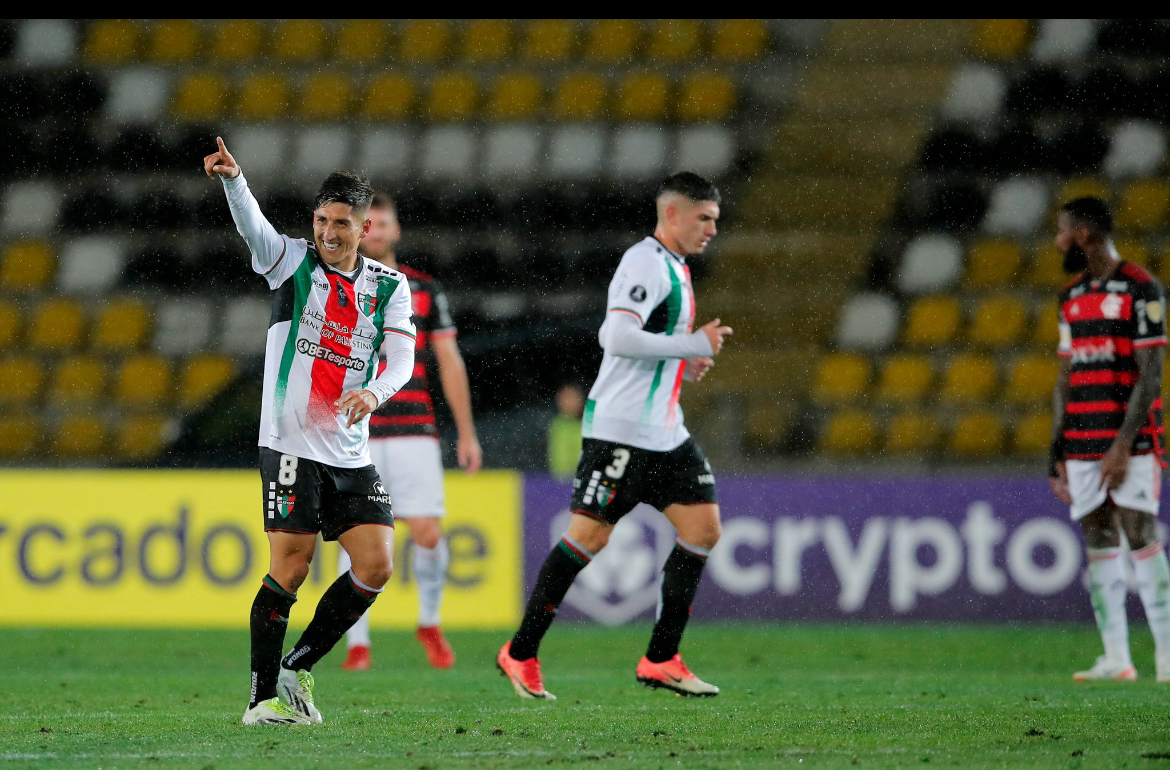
<point x="930" y="263"/>
<point x="1137" y="148"/>
<point x="968" y="378"/>
<point x="121" y="326"/>
<point x="841" y="378"/>
<point x="1001" y="38"/>
<point x="549" y="41"/>
<point x="453" y="96"/>
<point x="516" y="96"/>
<point x="27" y="267"/>
<point x="236" y="41"/>
<point x="705" y="149"/>
<point x="58" y="324"/>
<point x="10" y="323"/>
<point x="1033" y="435"/>
<point x="486" y="41"/>
<point x="264" y="96"/>
<point x="31" y="206"/>
<point x="143" y="380"/>
<point x="79" y="436"/>
<point x="183" y="325"/>
<point x="1143" y="206"/>
<point x="46" y="42"/>
<point x="739" y="40"/>
<point x="201" y="96"/>
<point x="137" y="95"/>
<point x="638" y="152"/>
<point x="976" y="94"/>
<point x="204" y="376"/>
<point x="851" y="432"/>
<point x="1017" y="207"/>
<point x="424" y="41"/>
<point x="576" y="152"/>
<point x="675" y="40"/>
<point x="992" y="264"/>
<point x="977" y="434"/>
<point x="319" y="151"/>
<point x="1133" y="250"/>
<point x="78" y="382"/>
<point x="932" y="322"/>
<point x="90" y="265"/>
<point x="511" y="152"/>
<point x="1079" y="187"/>
<point x="241" y="321"/>
<point x="612" y="41"/>
<point x="174" y="40"/>
<point x="447" y="152"/>
<point x="1046" y="271"/>
<point x="326" y="96"/>
<point x="386" y="151"/>
<point x="362" y="41"/>
<point x="642" y="96"/>
<point x="111" y="41"/>
<point x="141" y="437"/>
<point x="1031" y="379"/>
<point x="706" y="95"/>
<point x="912" y="433"/>
<point x="997" y="322"/>
<point x="260" y="148"/>
<point x="580" y="96"/>
<point x="20" y="436"/>
<point x="298" y="40"/>
<point x="1046" y="332"/>
<point x="1063" y="40"/>
<point x="20" y="380"/>
<point x="904" y="379"/>
<point x="869" y="321"/>
<point x="390" y="97"/>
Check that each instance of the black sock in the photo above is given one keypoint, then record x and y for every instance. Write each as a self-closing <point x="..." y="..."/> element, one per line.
<point x="268" y="621"/>
<point x="680" y="580"/>
<point x="343" y="603"/>
<point x="556" y="576"/>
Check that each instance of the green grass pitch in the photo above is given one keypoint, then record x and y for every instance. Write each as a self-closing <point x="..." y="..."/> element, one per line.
<point x="801" y="696"/>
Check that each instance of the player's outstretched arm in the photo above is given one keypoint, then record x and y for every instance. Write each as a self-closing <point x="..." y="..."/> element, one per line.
<point x="622" y="335"/>
<point x="268" y="247"/>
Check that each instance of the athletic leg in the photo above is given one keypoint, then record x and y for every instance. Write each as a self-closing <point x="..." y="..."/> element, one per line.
<point x="1107" y="583"/>
<point x="698" y="528"/>
<point x="357" y="639"/>
<point x="1153" y="576"/>
<point x="430" y="557"/>
<point x="290" y="554"/>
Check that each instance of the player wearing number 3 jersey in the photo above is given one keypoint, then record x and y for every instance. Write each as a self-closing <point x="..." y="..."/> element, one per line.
<point x="635" y="447"/>
<point x="336" y="316"/>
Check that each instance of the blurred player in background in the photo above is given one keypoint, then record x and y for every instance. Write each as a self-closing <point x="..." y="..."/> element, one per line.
<point x="404" y="444"/>
<point x="1107" y="429"/>
<point x="635" y="446"/>
<point x="564" y="432"/>
<point x="335" y="317"/>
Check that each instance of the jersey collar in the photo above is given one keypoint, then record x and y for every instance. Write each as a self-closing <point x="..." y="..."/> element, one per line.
<point x="681" y="259"/>
<point x="351" y="277"/>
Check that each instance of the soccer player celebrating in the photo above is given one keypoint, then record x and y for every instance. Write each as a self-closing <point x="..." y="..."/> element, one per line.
<point x="1107" y="429"/>
<point x="635" y="446"/>
<point x="335" y="316"/>
<point x="405" y="448"/>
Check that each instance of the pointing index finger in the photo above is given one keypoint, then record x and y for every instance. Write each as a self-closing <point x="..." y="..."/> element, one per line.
<point x="222" y="146"/>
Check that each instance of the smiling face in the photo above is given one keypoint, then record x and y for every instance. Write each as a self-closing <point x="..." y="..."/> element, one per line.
<point x="690" y="224"/>
<point x="337" y="231"/>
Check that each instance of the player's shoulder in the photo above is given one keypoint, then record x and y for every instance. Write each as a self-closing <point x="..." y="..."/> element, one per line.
<point x="1137" y="274"/>
<point x="375" y="270"/>
<point x="647" y="251"/>
<point x="1066" y="290"/>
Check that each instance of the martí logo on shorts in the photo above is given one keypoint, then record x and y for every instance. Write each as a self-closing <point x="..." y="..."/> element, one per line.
<point x="325" y="354"/>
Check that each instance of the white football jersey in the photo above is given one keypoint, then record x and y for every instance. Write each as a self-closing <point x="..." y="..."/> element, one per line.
<point x="634" y="401"/>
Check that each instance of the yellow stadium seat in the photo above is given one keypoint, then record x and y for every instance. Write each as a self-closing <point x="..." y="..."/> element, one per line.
<point x="10" y="317"/>
<point x="237" y="40"/>
<point x="20" y="380"/>
<point x="111" y="41"/>
<point x="299" y="40"/>
<point x="390" y="97"/>
<point x="201" y="96"/>
<point x="548" y="41"/>
<point x="58" y="324"/>
<point x="264" y="96"/>
<point x="79" y="436"/>
<point x="1079" y="187"/>
<point x="904" y="379"/>
<point x="841" y="378"/>
<point x="1046" y="271"/>
<point x="912" y="433"/>
<point x="1033" y="435"/>
<point x="326" y="96"/>
<point x="424" y="41"/>
<point x="175" y="40"/>
<point x="706" y="95"/>
<point x="1046" y="333"/>
<point x="20" y="436"/>
<point x="453" y="96"/>
<point x="487" y="41"/>
<point x="79" y="381"/>
<point x="28" y="266"/>
<point x="977" y="434"/>
<point x="1144" y="204"/>
<point x="203" y="377"/>
<point x="143" y="380"/>
<point x="739" y="40"/>
<point x="612" y="41"/>
<point x="997" y="322"/>
<point x="580" y="96"/>
<point x="675" y="40"/>
<point x="1133" y="250"/>
<point x="968" y="378"/>
<point x="852" y="431"/>
<point x="1001" y="38"/>
<point x="992" y="264"/>
<point x="121" y="325"/>
<point x="642" y="96"/>
<point x="933" y="321"/>
<point x="516" y="97"/>
<point x="1031" y="379"/>
<point x="141" y="437"/>
<point x="362" y="40"/>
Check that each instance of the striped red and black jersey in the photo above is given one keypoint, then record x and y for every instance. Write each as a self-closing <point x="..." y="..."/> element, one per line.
<point x="1102" y="323"/>
<point x="411" y="412"/>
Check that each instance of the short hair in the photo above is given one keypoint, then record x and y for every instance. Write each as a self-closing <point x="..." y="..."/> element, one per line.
<point x="691" y="185"/>
<point x="383" y="201"/>
<point x="349" y="187"/>
<point x="1090" y="211"/>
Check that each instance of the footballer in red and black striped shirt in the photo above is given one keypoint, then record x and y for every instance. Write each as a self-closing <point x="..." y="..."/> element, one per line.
<point x="1107" y="429"/>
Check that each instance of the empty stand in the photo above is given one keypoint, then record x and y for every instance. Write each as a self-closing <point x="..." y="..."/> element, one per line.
<point x="841" y="378"/>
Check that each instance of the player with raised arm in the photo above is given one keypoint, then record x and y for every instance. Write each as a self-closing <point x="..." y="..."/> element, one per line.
<point x="635" y="446"/>
<point x="335" y="316"/>
<point x="404" y="444"/>
<point x="1107" y="429"/>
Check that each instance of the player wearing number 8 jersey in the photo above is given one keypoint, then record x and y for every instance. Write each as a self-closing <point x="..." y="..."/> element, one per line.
<point x="335" y="317"/>
<point x="635" y="447"/>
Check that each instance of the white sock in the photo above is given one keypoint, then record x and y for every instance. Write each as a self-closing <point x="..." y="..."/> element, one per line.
<point x="359" y="633"/>
<point x="1107" y="589"/>
<point x="430" y="572"/>
<point x="1153" y="577"/>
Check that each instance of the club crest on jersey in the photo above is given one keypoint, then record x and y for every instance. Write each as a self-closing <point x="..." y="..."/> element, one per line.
<point x="368" y="303"/>
<point x="282" y="504"/>
<point x="1111" y="306"/>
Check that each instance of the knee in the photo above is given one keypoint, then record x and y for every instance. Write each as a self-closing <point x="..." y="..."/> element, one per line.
<point x="594" y="540"/>
<point x="290" y="573"/>
<point x="705" y="535"/>
<point x="375" y="575"/>
<point x="426" y="533"/>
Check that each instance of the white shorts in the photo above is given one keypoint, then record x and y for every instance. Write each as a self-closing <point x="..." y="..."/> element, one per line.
<point x="411" y="467"/>
<point x="1141" y="490"/>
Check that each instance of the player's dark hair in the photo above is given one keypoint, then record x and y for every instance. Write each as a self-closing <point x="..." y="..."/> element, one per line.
<point x="1092" y="212"/>
<point x="691" y="185"/>
<point x="383" y="201"/>
<point x="348" y="187"/>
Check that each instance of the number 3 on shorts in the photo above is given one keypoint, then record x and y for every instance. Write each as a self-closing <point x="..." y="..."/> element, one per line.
<point x="288" y="470"/>
<point x="617" y="468"/>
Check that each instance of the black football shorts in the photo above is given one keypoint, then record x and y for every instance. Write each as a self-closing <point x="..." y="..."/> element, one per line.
<point x="308" y="497"/>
